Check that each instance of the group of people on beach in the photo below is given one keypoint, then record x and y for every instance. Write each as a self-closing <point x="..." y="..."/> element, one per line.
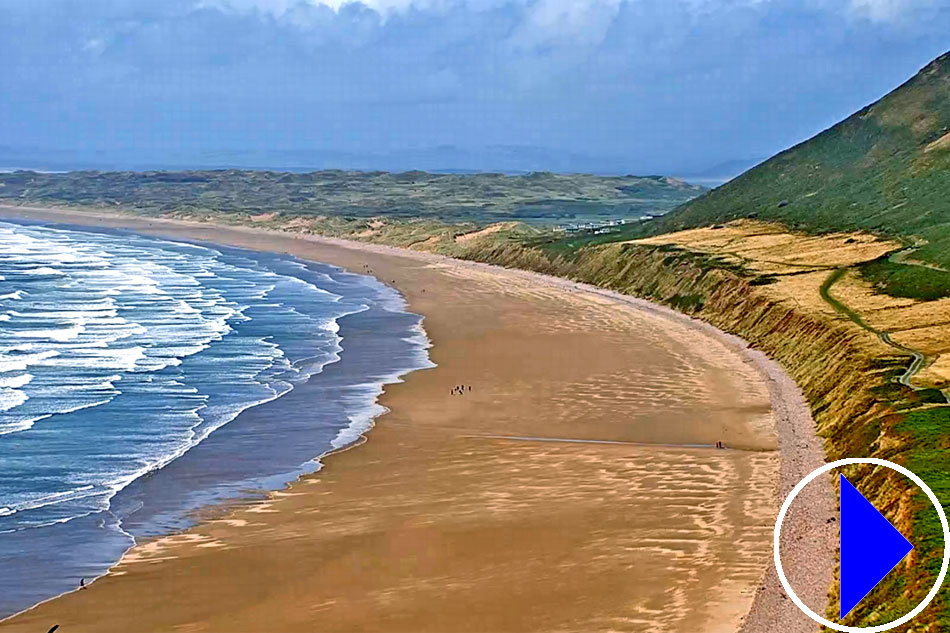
<point x="459" y="390"/>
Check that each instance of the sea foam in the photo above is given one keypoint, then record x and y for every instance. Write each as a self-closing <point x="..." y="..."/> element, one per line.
<point x="121" y="354"/>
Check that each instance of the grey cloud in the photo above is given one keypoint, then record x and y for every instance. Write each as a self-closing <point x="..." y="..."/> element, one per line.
<point x="646" y="85"/>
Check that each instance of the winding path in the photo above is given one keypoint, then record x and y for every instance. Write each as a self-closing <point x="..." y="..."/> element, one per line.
<point x="901" y="257"/>
<point x="917" y="358"/>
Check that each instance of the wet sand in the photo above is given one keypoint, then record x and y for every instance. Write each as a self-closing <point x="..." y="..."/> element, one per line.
<point x="460" y="514"/>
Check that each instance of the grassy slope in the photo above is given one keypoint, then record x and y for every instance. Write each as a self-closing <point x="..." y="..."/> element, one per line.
<point x="884" y="169"/>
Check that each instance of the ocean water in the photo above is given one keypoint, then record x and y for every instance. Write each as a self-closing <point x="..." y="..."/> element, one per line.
<point x="143" y="379"/>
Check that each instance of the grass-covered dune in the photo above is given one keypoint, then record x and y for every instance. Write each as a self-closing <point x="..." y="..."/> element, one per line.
<point x="447" y="197"/>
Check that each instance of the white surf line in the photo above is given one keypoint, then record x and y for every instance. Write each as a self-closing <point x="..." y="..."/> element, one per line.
<point x="566" y="440"/>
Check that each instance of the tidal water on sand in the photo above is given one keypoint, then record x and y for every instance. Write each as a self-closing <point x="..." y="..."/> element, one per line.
<point x="142" y="380"/>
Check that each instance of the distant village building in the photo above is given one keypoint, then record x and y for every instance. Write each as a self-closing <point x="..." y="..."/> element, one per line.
<point x="598" y="228"/>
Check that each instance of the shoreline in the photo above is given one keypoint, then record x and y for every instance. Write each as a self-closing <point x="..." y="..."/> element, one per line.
<point x="173" y="489"/>
<point x="800" y="449"/>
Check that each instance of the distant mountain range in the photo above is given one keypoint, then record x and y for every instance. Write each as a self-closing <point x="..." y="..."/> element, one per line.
<point x="441" y="159"/>
<point x="446" y="159"/>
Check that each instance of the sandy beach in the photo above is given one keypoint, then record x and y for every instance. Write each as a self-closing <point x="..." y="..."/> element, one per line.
<point x="574" y="487"/>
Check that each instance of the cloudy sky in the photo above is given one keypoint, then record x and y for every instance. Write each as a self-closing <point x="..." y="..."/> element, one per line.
<point x="642" y="86"/>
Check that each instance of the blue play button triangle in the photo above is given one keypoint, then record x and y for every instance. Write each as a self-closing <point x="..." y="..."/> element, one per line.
<point x="870" y="547"/>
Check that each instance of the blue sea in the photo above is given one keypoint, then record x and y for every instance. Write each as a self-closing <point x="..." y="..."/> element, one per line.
<point x="142" y="380"/>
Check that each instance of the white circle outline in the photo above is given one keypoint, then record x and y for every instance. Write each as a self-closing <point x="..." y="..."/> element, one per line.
<point x="848" y="462"/>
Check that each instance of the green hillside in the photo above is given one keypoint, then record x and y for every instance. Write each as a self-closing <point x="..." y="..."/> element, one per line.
<point x="885" y="169"/>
